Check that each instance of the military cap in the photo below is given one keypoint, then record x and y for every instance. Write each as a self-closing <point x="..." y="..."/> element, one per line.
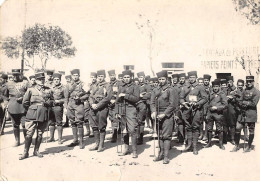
<point x="75" y="71"/>
<point x="230" y="78"/>
<point x="93" y="74"/>
<point x="200" y="79"/>
<point x="175" y="75"/>
<point x="215" y="82"/>
<point x="155" y="79"/>
<point x="16" y="71"/>
<point x="207" y="76"/>
<point x="32" y="76"/>
<point x="39" y="75"/>
<point x="120" y="75"/>
<point x="240" y="80"/>
<point x="101" y="72"/>
<point x="182" y="75"/>
<point x="250" y="78"/>
<point x="68" y="77"/>
<point x="127" y="72"/>
<point x="4" y="76"/>
<point x="49" y="72"/>
<point x="57" y="75"/>
<point x="111" y="72"/>
<point x="223" y="81"/>
<point x="162" y="74"/>
<point x="139" y="74"/>
<point x="147" y="77"/>
<point x="136" y="79"/>
<point x="192" y="73"/>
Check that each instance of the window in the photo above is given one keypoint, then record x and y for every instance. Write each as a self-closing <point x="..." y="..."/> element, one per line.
<point x="173" y="65"/>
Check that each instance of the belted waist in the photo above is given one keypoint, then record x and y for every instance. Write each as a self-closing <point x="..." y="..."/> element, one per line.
<point x="36" y="103"/>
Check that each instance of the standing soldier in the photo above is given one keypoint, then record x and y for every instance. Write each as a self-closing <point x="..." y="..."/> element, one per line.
<point x="75" y="95"/>
<point x="224" y="87"/>
<point x="164" y="101"/>
<point x="49" y="81"/>
<point x="32" y="81"/>
<point x="98" y="101"/>
<point x="175" y="85"/>
<point x="142" y="106"/>
<point x="15" y="92"/>
<point x="3" y="99"/>
<point x="128" y="96"/>
<point x="192" y="98"/>
<point x="68" y="81"/>
<point x="114" y="84"/>
<point x="37" y="100"/>
<point x="231" y="111"/>
<point x="248" y="115"/>
<point x="207" y="87"/>
<point x="57" y="109"/>
<point x="217" y="103"/>
<point x="92" y="87"/>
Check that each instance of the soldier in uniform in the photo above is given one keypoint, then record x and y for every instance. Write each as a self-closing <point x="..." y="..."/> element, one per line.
<point x="175" y="85"/>
<point x="216" y="104"/>
<point x="37" y="100"/>
<point x="248" y="116"/>
<point x="57" y="109"/>
<point x="75" y="94"/>
<point x="120" y="77"/>
<point x="32" y="81"/>
<point x="164" y="101"/>
<point x="200" y="81"/>
<point x="68" y="81"/>
<point x="224" y="87"/>
<point x="15" y="91"/>
<point x="3" y="99"/>
<point x="92" y="87"/>
<point x="49" y="81"/>
<point x="231" y="110"/>
<point x="128" y="96"/>
<point x="142" y="106"/>
<point x="136" y="81"/>
<point x="114" y="84"/>
<point x="192" y="98"/>
<point x="98" y="101"/>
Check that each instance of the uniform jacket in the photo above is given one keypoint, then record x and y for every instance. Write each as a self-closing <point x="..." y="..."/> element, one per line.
<point x="194" y="89"/>
<point x="167" y="99"/>
<point x="250" y="98"/>
<point x="147" y="90"/>
<point x="15" y="91"/>
<point x="33" y="101"/>
<point x="2" y="92"/>
<point x="58" y="93"/>
<point x="219" y="100"/>
<point x="208" y="90"/>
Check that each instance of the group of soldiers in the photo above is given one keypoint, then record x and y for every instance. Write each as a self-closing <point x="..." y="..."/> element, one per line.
<point x="181" y="105"/>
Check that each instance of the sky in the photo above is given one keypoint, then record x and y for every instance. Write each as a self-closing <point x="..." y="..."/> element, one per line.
<point x="106" y="32"/>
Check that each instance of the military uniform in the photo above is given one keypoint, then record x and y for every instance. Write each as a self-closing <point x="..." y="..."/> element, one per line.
<point x="3" y="99"/>
<point x="15" y="92"/>
<point x="164" y="100"/>
<point x="57" y="110"/>
<point x="38" y="100"/>
<point x="142" y="107"/>
<point x="98" y="117"/>
<point x="75" y="94"/>
<point x="49" y="83"/>
<point x="126" y="108"/>
<point x="248" y="116"/>
<point x="193" y="115"/>
<point x="216" y="105"/>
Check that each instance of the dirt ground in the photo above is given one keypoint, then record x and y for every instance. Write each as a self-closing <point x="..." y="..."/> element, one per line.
<point x="63" y="163"/>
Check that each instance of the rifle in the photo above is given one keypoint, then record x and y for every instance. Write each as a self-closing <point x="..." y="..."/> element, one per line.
<point x="4" y="120"/>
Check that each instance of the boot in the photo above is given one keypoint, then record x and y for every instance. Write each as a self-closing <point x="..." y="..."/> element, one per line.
<point x="114" y="136"/>
<point x="237" y="139"/>
<point x="224" y="137"/>
<point x="189" y="139"/>
<point x="134" y="147"/>
<point x="97" y="140"/>
<point x="251" y="138"/>
<point x="141" y="137"/>
<point x="232" y="134"/>
<point x="60" y="130"/>
<point x="91" y="134"/>
<point x="138" y="134"/>
<point x="205" y="137"/>
<point x="126" y="145"/>
<point x="24" y="133"/>
<point x="209" y="140"/>
<point x="195" y="142"/>
<point x="38" y="142"/>
<point x="246" y="134"/>
<point x="27" y="144"/>
<point x="102" y="140"/>
<point x="88" y="129"/>
<point x="75" y="137"/>
<point x="201" y="132"/>
<point x="17" y="136"/>
<point x="81" y="134"/>
<point x="160" y="155"/>
<point x="181" y="134"/>
<point x="220" y="135"/>
<point x="167" y="144"/>
<point x="52" y="130"/>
